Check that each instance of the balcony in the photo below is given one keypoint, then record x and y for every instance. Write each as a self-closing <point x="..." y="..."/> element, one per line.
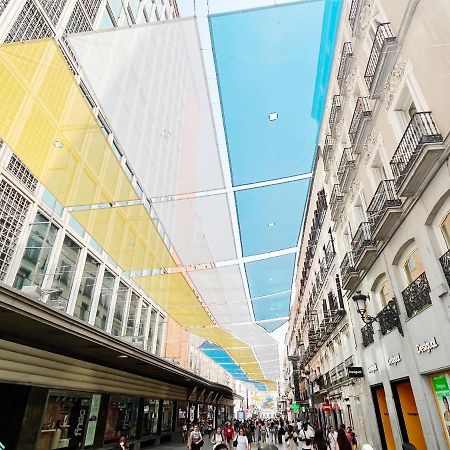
<point x="364" y="247"/>
<point x="367" y="334"/>
<point x="335" y="110"/>
<point x="389" y="319"/>
<point x="347" y="166"/>
<point x="330" y="253"/>
<point x="382" y="47"/>
<point x="336" y="201"/>
<point x="328" y="151"/>
<point x="417" y="296"/>
<point x="349" y="274"/>
<point x="353" y="17"/>
<point x="362" y="113"/>
<point x="384" y="209"/>
<point x="417" y="152"/>
<point x="445" y="264"/>
<point x="346" y="55"/>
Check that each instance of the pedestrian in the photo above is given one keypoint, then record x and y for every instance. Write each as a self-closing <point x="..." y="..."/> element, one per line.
<point x="273" y="431"/>
<point x="249" y="433"/>
<point x="342" y="442"/>
<point x="280" y="432"/>
<point x="263" y="432"/>
<point x="319" y="440"/>
<point x="229" y="433"/>
<point x="257" y="432"/>
<point x="195" y="441"/>
<point x="291" y="438"/>
<point x="122" y="444"/>
<point x="217" y="438"/>
<point x="241" y="441"/>
<point x="351" y="436"/>
<point x="306" y="435"/>
<point x="332" y="438"/>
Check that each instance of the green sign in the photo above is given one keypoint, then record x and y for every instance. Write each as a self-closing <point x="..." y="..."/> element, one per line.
<point x="294" y="407"/>
<point x="442" y="394"/>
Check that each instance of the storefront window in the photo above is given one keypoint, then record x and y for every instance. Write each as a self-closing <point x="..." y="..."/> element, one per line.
<point x="119" y="310"/>
<point x="441" y="389"/>
<point x="122" y="418"/>
<point x="33" y="266"/>
<point x="167" y="414"/>
<point x="150" y="418"/>
<point x="152" y="329"/>
<point x="86" y="290"/>
<point x="104" y="301"/>
<point x="143" y="323"/>
<point x="161" y="322"/>
<point x="65" y="420"/>
<point x="132" y="313"/>
<point x="65" y="270"/>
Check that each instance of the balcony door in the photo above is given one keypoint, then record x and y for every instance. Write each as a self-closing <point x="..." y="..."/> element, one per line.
<point x="413" y="266"/>
<point x="445" y="228"/>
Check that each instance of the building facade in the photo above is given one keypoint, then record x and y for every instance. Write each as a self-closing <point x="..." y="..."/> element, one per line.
<point x="382" y="167"/>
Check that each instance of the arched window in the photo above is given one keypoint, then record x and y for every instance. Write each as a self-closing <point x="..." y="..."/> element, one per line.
<point x="445" y="228"/>
<point x="413" y="266"/>
<point x="384" y="293"/>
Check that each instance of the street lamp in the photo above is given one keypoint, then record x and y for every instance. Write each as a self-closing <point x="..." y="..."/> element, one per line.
<point x="389" y="314"/>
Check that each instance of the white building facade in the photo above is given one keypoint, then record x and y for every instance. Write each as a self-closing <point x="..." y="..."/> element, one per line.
<point x="383" y="166"/>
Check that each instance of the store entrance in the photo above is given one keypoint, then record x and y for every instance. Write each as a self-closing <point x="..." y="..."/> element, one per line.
<point x="384" y="423"/>
<point x="408" y="416"/>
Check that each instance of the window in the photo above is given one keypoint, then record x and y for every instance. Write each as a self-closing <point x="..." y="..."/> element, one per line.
<point x="119" y="311"/>
<point x="152" y="328"/>
<point x="17" y="168"/>
<point x="86" y="290"/>
<point x="106" y="20"/>
<point x="445" y="228"/>
<point x="122" y="418"/>
<point x="116" y="7"/>
<point x="150" y="417"/>
<point x="65" y="270"/>
<point x="413" y="266"/>
<point x="132" y="314"/>
<point x="385" y="293"/>
<point x="34" y="264"/>
<point x="167" y="413"/>
<point x="159" y="337"/>
<point x="104" y="301"/>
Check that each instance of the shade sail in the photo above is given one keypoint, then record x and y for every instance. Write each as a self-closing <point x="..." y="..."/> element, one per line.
<point x="47" y="122"/>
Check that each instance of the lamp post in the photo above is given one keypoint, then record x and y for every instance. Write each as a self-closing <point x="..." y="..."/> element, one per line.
<point x="390" y="313"/>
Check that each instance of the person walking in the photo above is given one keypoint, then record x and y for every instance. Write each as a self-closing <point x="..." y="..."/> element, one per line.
<point x="273" y="431"/>
<point x="195" y="440"/>
<point x="217" y="438"/>
<point x="291" y="438"/>
<point x="263" y="432"/>
<point x="241" y="441"/>
<point x="342" y="442"/>
<point x="122" y="444"/>
<point x="319" y="440"/>
<point x="229" y="434"/>
<point x="332" y="438"/>
<point x="306" y="436"/>
<point x="280" y="432"/>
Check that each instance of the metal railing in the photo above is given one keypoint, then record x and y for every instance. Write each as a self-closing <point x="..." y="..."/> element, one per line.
<point x="421" y="130"/>
<point x="445" y="264"/>
<point x="327" y="150"/>
<point x="385" y="197"/>
<point x="347" y="162"/>
<point x="362" y="239"/>
<point x="353" y="15"/>
<point x="367" y="334"/>
<point x="347" y="53"/>
<point x="389" y="318"/>
<point x="362" y="110"/>
<point x="336" y="195"/>
<point x="330" y="253"/>
<point x="347" y="266"/>
<point x="417" y="295"/>
<point x="335" y="107"/>
<point x="383" y="36"/>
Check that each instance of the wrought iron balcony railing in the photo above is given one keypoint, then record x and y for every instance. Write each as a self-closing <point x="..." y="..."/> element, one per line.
<point x="335" y="108"/>
<point x="336" y="195"/>
<point x="420" y="131"/>
<point x="330" y="253"/>
<point x="328" y="151"/>
<point x="352" y="17"/>
<point x="347" y="266"/>
<point x="389" y="319"/>
<point x="347" y="53"/>
<point x="362" y="239"/>
<point x="362" y="110"/>
<point x="445" y="264"/>
<point x="383" y="36"/>
<point x="367" y="334"/>
<point x="347" y="162"/>
<point x="417" y="295"/>
<point x="385" y="197"/>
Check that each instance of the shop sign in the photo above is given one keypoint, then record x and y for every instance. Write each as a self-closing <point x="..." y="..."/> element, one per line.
<point x="78" y="419"/>
<point x="192" y="414"/>
<point x="394" y="360"/>
<point x="326" y="407"/>
<point x="441" y="391"/>
<point x="92" y="423"/>
<point x="427" y="347"/>
<point x="372" y="369"/>
<point x="355" y="372"/>
<point x="181" y="414"/>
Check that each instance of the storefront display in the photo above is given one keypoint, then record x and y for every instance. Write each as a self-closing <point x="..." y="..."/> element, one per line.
<point x="167" y="415"/>
<point x="65" y="420"/>
<point x="441" y="389"/>
<point x="122" y="418"/>
<point x="150" y="417"/>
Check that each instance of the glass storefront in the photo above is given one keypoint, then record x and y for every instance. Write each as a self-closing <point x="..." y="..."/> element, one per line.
<point x="167" y="415"/>
<point x="122" y="418"/>
<point x="150" y="417"/>
<point x="86" y="289"/>
<point x="119" y="311"/>
<point x="104" y="301"/>
<point x="441" y="389"/>
<point x="65" y="420"/>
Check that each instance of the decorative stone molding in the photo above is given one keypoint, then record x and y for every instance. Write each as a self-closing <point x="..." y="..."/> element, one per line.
<point x="339" y="127"/>
<point x="369" y="145"/>
<point x="393" y="80"/>
<point x="364" y="16"/>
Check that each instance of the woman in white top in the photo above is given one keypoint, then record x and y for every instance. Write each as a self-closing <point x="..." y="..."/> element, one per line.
<point x="217" y="438"/>
<point x="332" y="438"/>
<point x="291" y="438"/>
<point x="242" y="441"/>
